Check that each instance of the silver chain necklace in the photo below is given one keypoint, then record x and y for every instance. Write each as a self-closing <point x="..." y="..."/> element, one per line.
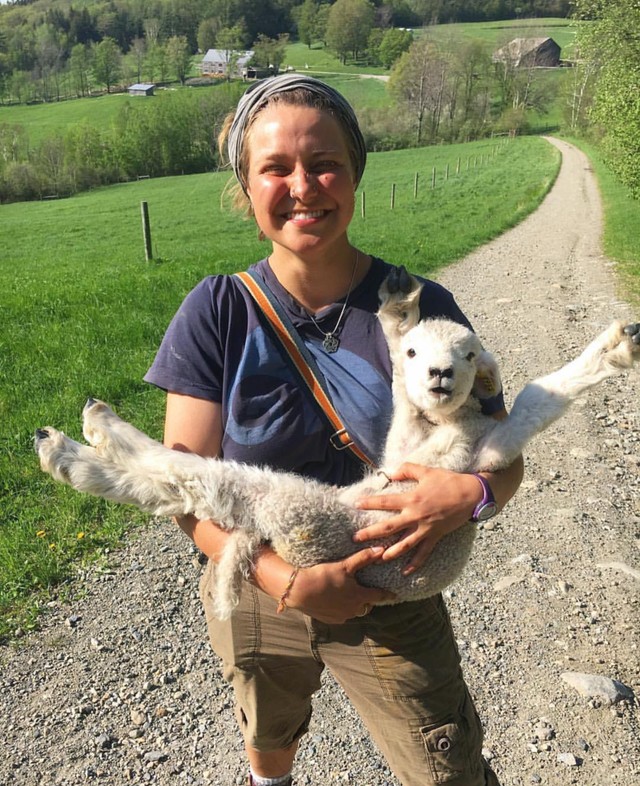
<point x="330" y="342"/>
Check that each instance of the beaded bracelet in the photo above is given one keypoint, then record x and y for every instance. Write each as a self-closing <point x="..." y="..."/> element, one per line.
<point x="282" y="603"/>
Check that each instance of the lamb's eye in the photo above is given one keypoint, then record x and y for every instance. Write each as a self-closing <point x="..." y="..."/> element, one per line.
<point x="471" y="356"/>
<point x="411" y="353"/>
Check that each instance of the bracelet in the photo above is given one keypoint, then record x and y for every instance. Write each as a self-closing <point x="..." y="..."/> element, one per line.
<point x="282" y="603"/>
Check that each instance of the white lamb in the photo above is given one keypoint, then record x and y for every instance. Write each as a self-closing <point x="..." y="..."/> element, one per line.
<point x="436" y="422"/>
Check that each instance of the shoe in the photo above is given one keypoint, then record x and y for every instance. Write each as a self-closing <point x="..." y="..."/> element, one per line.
<point x="286" y="783"/>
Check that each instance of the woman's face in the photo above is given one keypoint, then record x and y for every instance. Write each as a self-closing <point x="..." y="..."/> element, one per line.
<point x="300" y="179"/>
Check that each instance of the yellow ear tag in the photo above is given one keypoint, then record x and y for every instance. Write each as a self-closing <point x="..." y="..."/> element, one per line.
<point x="487" y="382"/>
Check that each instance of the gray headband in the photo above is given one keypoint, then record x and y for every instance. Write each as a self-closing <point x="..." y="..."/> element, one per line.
<point x="258" y="95"/>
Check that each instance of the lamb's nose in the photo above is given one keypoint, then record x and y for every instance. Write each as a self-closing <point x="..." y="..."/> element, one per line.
<point x="441" y="373"/>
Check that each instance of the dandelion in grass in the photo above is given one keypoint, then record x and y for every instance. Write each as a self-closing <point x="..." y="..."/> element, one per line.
<point x="41" y="533"/>
<point x="80" y="535"/>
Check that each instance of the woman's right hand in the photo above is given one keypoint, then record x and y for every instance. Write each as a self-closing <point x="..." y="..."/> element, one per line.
<point x="329" y="592"/>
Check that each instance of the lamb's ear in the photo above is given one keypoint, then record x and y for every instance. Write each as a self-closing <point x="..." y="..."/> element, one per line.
<point x="487" y="382"/>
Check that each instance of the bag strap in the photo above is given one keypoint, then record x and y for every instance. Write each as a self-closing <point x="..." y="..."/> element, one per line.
<point x="302" y="360"/>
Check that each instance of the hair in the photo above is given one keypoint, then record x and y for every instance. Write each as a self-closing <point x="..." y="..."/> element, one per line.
<point x="305" y="92"/>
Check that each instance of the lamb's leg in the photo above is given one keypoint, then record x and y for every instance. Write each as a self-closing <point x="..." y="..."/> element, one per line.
<point x="84" y="469"/>
<point x="546" y="399"/>
<point x="399" y="305"/>
<point x="113" y="437"/>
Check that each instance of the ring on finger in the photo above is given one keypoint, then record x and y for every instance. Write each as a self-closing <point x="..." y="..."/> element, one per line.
<point x="366" y="610"/>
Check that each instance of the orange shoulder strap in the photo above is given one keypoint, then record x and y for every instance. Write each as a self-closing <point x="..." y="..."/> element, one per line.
<point x="302" y="361"/>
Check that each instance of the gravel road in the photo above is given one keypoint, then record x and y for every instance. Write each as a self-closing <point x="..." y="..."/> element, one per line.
<point x="120" y="686"/>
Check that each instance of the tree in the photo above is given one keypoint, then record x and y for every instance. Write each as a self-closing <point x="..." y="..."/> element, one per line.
<point x="136" y="56"/>
<point x="270" y="52"/>
<point x="80" y="67"/>
<point x="230" y="40"/>
<point x="207" y="32"/>
<point x="349" y="26"/>
<point x="179" y="56"/>
<point x="306" y="18"/>
<point x="611" y="45"/>
<point x="418" y="83"/>
<point x="107" y="63"/>
<point x="394" y="43"/>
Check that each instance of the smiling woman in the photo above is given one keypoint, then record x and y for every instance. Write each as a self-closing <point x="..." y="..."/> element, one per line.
<point x="298" y="156"/>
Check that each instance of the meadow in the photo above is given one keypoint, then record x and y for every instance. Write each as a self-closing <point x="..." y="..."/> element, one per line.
<point x="82" y="315"/>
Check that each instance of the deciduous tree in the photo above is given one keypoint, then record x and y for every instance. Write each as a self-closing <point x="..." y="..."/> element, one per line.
<point x="611" y="43"/>
<point x="107" y="63"/>
<point x="348" y="28"/>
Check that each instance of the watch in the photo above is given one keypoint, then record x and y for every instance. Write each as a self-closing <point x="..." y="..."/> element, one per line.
<point x="487" y="507"/>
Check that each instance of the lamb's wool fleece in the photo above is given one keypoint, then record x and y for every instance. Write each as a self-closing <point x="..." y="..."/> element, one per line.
<point x="436" y="422"/>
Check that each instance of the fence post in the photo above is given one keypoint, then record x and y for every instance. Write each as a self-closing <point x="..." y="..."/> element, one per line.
<point x="362" y="205"/>
<point x="415" y="186"/>
<point x="393" y="195"/>
<point x="146" y="231"/>
<point x="458" y="166"/>
<point x="446" y="177"/>
<point x="433" y="179"/>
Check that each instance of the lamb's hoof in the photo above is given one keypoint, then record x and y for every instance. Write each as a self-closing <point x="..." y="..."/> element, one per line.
<point x="93" y="426"/>
<point x="399" y="280"/>
<point x="633" y="331"/>
<point x="40" y="435"/>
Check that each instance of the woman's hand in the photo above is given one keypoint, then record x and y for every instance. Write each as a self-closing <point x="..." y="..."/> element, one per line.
<point x="440" y="502"/>
<point x="328" y="592"/>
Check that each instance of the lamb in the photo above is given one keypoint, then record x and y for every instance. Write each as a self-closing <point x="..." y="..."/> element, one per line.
<point x="440" y="370"/>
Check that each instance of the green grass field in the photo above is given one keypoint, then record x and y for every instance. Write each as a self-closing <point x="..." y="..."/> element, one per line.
<point x="83" y="314"/>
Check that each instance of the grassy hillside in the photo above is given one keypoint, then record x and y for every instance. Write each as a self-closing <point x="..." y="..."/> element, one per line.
<point x="83" y="312"/>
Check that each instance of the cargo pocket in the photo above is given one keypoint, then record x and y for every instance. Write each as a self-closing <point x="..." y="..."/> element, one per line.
<point x="446" y="749"/>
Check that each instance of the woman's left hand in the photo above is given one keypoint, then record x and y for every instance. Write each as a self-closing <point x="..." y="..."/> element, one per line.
<point x="440" y="502"/>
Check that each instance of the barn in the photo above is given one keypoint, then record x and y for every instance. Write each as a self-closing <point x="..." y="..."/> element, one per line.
<point x="141" y="89"/>
<point x="528" y="53"/>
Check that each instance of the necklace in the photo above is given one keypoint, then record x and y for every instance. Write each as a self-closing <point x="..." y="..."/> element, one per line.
<point x="331" y="342"/>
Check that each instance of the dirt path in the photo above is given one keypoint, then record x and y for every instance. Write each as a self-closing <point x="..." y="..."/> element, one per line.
<point x="120" y="686"/>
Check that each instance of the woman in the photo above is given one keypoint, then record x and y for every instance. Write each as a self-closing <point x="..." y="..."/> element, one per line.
<point x="298" y="155"/>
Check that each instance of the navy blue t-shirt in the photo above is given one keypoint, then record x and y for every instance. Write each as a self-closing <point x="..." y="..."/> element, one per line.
<point x="220" y="347"/>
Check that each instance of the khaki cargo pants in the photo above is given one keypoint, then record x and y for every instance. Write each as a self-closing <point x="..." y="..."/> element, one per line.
<point x="399" y="666"/>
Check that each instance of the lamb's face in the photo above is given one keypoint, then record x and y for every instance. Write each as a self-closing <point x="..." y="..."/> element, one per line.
<point x="439" y="363"/>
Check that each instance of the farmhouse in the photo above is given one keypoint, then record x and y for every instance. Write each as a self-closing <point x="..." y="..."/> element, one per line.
<point x="529" y="52"/>
<point x="141" y="89"/>
<point x="218" y="62"/>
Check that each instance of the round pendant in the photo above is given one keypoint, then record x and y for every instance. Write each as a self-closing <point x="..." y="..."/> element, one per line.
<point x="330" y="343"/>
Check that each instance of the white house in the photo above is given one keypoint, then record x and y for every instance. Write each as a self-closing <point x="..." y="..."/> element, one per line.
<point x="216" y="62"/>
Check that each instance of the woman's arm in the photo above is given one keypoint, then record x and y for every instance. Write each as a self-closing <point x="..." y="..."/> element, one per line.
<point x="328" y="592"/>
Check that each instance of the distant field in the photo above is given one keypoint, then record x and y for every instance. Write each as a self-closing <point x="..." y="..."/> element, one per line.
<point x="82" y="312"/>
<point x="496" y="34"/>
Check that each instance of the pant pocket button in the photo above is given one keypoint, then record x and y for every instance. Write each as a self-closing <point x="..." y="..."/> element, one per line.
<point x="443" y="744"/>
